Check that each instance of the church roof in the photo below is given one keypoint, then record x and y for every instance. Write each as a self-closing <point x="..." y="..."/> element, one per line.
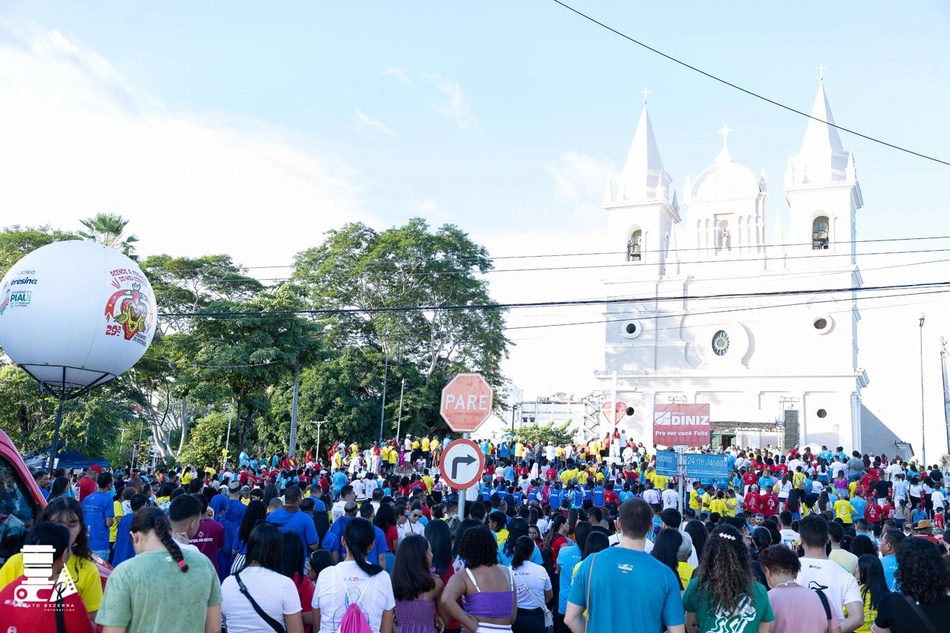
<point x="643" y="176"/>
<point x="821" y="159"/>
<point x="725" y="179"/>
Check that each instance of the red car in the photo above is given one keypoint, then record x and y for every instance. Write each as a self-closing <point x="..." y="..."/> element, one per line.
<point x="20" y="503"/>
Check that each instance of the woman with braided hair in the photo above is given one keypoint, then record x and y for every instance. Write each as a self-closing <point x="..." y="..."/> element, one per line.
<point x="162" y="588"/>
<point x="724" y="595"/>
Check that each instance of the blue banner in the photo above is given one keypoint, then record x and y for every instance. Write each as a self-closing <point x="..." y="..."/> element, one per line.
<point x="666" y="463"/>
<point x="698" y="466"/>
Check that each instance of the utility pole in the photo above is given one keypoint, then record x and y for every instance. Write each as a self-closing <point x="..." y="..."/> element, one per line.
<point x="319" y="424"/>
<point x="402" y="390"/>
<point x="292" y="443"/>
<point x="923" y="428"/>
<point x="382" y="409"/>
<point x="946" y="388"/>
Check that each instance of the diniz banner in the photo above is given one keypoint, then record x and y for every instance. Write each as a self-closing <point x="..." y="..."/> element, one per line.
<point x="681" y="424"/>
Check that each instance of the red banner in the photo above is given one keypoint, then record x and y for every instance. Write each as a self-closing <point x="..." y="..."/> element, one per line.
<point x="681" y="424"/>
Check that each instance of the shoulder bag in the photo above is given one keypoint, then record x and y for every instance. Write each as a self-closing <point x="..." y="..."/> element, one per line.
<point x="920" y="614"/>
<point x="271" y="622"/>
<point x="548" y="616"/>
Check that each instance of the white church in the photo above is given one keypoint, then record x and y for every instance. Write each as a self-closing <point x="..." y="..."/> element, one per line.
<point x="715" y="304"/>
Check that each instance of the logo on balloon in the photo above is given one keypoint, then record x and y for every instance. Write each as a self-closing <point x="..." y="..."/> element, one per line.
<point x="128" y="311"/>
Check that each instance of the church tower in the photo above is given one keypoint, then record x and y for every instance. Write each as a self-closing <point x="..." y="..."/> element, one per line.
<point x="822" y="190"/>
<point x="641" y="208"/>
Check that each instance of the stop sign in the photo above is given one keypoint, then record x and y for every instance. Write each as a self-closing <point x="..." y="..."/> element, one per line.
<point x="466" y="402"/>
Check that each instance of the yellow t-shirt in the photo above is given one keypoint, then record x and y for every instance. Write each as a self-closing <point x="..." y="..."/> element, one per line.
<point x="582" y="477"/>
<point x="117" y="509"/>
<point x="186" y="478"/>
<point x="870" y="614"/>
<point x="384" y="453"/>
<point x="501" y="535"/>
<point x="694" y="500"/>
<point x="393" y="456"/>
<point x="559" y="452"/>
<point x="519" y="450"/>
<point x="731" y="505"/>
<point x="660" y="481"/>
<point x="425" y="444"/>
<point x="84" y="572"/>
<point x="707" y="498"/>
<point x="429" y="482"/>
<point x="685" y="571"/>
<point x="415" y="445"/>
<point x="568" y="475"/>
<point x="718" y="505"/>
<point x="844" y="510"/>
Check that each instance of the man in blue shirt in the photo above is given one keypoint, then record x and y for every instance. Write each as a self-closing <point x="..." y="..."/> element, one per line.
<point x="890" y="540"/>
<point x="604" y="579"/>
<point x="99" y="515"/>
<point x="290" y="519"/>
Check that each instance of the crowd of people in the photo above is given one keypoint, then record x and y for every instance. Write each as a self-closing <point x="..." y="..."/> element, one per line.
<point x="553" y="538"/>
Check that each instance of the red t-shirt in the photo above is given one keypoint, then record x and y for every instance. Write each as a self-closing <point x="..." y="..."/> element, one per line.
<point x="40" y="617"/>
<point x="753" y="503"/>
<point x="550" y="474"/>
<point x="769" y="505"/>
<point x="611" y="497"/>
<point x="873" y="513"/>
<point x="392" y="538"/>
<point x="305" y="590"/>
<point x="749" y="478"/>
<point x="556" y="545"/>
<point x="86" y="487"/>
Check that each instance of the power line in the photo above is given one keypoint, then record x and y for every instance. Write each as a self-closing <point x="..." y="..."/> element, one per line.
<point x="750" y="257"/>
<point x="747" y="91"/>
<point x="686" y="313"/>
<point x="545" y="304"/>
<point x="670" y="250"/>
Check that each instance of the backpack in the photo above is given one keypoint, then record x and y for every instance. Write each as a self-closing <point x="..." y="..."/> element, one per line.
<point x="354" y="620"/>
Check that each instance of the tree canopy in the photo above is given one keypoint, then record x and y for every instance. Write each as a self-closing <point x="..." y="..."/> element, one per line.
<point x="407" y="305"/>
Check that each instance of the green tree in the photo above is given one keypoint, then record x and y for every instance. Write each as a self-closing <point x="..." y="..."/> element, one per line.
<point x="548" y="433"/>
<point x="108" y="229"/>
<point x="16" y="241"/>
<point x="206" y="441"/>
<point x="374" y="276"/>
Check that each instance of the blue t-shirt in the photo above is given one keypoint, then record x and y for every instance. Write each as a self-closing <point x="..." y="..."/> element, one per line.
<point x="123" y="541"/>
<point x="890" y="566"/>
<point x="505" y="559"/>
<point x="554" y="498"/>
<point x="859" y="505"/>
<point x="95" y="508"/>
<point x="598" y="497"/>
<point x="567" y="557"/>
<point x="619" y="572"/>
<point x="297" y="522"/>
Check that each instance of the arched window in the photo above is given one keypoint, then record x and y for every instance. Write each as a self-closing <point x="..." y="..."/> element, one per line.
<point x="819" y="233"/>
<point x="634" y="246"/>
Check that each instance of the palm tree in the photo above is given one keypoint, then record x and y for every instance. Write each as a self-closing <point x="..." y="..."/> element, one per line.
<point x="107" y="229"/>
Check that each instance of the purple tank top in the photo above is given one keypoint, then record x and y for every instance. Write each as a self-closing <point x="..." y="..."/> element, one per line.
<point x="488" y="604"/>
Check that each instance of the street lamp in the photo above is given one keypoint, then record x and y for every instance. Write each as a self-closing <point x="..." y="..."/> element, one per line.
<point x="923" y="432"/>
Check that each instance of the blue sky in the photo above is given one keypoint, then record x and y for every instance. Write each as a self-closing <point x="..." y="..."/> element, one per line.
<point x="238" y="127"/>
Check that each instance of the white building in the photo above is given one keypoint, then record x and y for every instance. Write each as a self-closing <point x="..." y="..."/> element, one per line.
<point x="557" y="409"/>
<point x="691" y="334"/>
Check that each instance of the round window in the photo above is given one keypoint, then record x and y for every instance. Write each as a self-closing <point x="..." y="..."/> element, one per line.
<point x="821" y="323"/>
<point x="822" y="413"/>
<point x="631" y="329"/>
<point x="720" y="343"/>
<point x="630" y="411"/>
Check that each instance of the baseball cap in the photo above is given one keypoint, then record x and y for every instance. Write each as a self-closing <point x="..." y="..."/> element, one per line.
<point x="96" y="468"/>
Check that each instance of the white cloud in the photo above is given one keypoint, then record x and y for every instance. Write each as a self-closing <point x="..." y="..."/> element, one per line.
<point x="78" y="139"/>
<point x="457" y="109"/>
<point x="364" y="121"/>
<point x="399" y="74"/>
<point x="579" y="177"/>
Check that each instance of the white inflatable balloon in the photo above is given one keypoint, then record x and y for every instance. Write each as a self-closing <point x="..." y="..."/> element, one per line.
<point x="76" y="314"/>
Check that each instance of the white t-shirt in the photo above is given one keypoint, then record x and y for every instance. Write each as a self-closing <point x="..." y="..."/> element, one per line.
<point x="837" y="467"/>
<point x="938" y="499"/>
<point x="275" y="593"/>
<point x="670" y="498"/>
<point x="408" y="528"/>
<point x="347" y="580"/>
<point x="833" y="579"/>
<point x="652" y="496"/>
<point x="534" y="578"/>
<point x="789" y="536"/>
<point x="648" y="547"/>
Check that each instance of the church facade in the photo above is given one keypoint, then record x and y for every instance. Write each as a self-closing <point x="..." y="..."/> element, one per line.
<point x="714" y="304"/>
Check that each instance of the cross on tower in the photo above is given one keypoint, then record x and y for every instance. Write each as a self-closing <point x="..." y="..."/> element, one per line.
<point x="821" y="71"/>
<point x="645" y="93"/>
<point x="725" y="131"/>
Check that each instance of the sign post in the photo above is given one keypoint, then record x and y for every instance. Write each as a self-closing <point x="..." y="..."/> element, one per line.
<point x="466" y="404"/>
<point x="681" y="474"/>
